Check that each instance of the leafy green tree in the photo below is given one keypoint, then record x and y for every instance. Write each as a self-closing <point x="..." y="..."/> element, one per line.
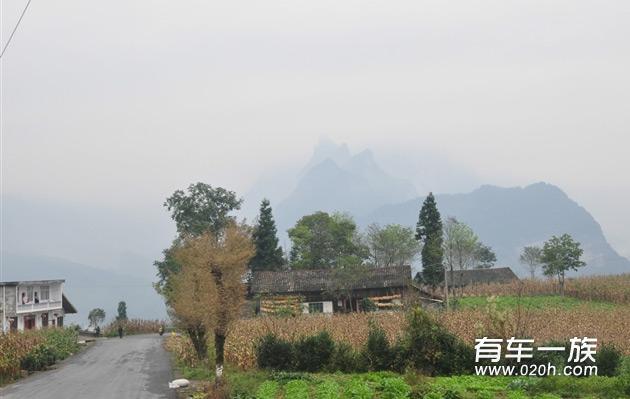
<point x="96" y="317"/>
<point x="199" y="210"/>
<point x="268" y="252"/>
<point x="322" y="241"/>
<point x="559" y="255"/>
<point x="166" y="269"/>
<point x="531" y="257"/>
<point x="429" y="232"/>
<point x="392" y="245"/>
<point x="202" y="208"/>
<point x="122" y="311"/>
<point x="485" y="257"/>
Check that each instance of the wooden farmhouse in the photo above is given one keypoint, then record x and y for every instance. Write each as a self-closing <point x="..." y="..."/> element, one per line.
<point x="316" y="291"/>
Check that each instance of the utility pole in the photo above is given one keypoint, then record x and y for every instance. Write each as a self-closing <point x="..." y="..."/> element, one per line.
<point x="446" y="288"/>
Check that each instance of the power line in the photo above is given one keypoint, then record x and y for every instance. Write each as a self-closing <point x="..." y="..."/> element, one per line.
<point x="14" y="29"/>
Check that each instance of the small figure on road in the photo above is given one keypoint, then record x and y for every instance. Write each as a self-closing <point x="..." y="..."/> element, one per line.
<point x="161" y="330"/>
<point x="120" y="331"/>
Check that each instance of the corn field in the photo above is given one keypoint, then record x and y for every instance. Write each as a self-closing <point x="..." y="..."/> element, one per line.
<point x="610" y="326"/>
<point x="134" y="326"/>
<point x="13" y="348"/>
<point x="614" y="289"/>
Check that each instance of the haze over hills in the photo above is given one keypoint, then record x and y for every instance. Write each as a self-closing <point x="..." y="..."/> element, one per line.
<point x="88" y="287"/>
<point x="107" y="255"/>
<point x="504" y="218"/>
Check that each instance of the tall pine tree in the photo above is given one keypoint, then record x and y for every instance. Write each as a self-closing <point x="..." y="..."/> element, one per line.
<point x="429" y="231"/>
<point x="268" y="254"/>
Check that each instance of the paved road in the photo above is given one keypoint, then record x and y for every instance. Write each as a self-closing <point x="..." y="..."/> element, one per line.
<point x="135" y="367"/>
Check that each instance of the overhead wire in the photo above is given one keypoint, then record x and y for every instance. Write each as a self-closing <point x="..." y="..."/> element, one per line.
<point x="15" y="28"/>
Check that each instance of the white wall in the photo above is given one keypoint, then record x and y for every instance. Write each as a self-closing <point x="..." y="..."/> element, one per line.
<point x="328" y="306"/>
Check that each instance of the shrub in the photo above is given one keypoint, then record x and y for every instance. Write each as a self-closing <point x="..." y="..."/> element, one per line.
<point x="274" y="353"/>
<point x="624" y="382"/>
<point x="557" y="359"/>
<point x="39" y="358"/>
<point x="399" y="360"/>
<point x="367" y="305"/>
<point x="608" y="360"/>
<point x="432" y="349"/>
<point x="346" y="359"/>
<point x="314" y="353"/>
<point x="63" y="342"/>
<point x="377" y="352"/>
<point x="296" y="389"/>
<point x="267" y="390"/>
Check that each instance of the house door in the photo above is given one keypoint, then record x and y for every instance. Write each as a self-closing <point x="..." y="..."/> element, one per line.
<point x="60" y="321"/>
<point x="45" y="320"/>
<point x="29" y="322"/>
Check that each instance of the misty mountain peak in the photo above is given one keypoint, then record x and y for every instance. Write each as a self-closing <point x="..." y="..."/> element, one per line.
<point x="327" y="149"/>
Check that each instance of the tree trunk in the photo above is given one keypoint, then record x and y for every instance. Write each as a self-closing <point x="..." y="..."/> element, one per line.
<point x="562" y="284"/>
<point x="219" y="348"/>
<point x="221" y="330"/>
<point x="198" y="338"/>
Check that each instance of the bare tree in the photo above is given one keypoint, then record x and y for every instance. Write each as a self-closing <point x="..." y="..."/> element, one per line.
<point x="216" y="265"/>
<point x="531" y="257"/>
<point x="392" y="245"/>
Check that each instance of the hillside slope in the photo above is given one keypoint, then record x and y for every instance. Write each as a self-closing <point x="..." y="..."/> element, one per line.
<point x="509" y="218"/>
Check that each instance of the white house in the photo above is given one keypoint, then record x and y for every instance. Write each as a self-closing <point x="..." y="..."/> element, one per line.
<point x="25" y="305"/>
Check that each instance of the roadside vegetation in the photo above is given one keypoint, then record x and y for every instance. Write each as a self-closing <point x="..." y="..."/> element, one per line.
<point x="283" y="374"/>
<point x="34" y="350"/>
<point x="398" y="354"/>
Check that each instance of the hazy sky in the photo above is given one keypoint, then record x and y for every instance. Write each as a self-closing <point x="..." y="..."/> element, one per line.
<point x="118" y="103"/>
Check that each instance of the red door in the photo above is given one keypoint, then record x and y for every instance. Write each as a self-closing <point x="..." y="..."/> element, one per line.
<point x="29" y="322"/>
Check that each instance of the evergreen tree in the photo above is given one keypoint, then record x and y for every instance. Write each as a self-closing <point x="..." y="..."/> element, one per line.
<point x="429" y="231"/>
<point x="122" y="311"/>
<point x="268" y="254"/>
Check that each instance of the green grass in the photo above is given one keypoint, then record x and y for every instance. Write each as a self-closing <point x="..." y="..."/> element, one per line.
<point x="532" y="302"/>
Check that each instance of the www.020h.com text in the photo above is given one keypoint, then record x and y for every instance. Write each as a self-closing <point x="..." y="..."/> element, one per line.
<point x="536" y="370"/>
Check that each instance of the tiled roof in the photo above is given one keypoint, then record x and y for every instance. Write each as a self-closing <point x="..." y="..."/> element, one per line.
<point x="482" y="276"/>
<point x="268" y="282"/>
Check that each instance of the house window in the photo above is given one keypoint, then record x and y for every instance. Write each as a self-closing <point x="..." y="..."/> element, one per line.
<point x="29" y="294"/>
<point x="45" y="292"/>
<point x="316" y="307"/>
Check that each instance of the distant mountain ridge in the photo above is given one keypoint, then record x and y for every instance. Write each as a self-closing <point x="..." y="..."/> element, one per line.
<point x="335" y="180"/>
<point x="507" y="219"/>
